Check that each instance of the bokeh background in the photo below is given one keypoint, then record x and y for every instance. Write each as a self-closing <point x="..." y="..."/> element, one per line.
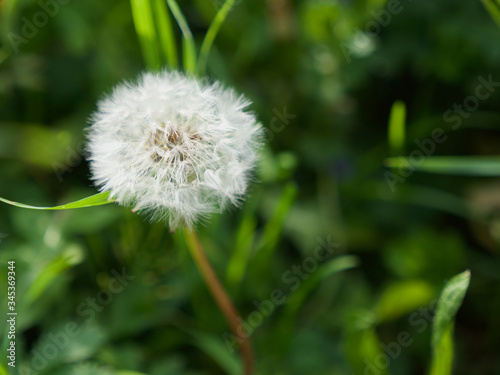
<point x="323" y="76"/>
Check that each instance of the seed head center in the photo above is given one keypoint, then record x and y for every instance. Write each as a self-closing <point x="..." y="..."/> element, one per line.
<point x="171" y="145"/>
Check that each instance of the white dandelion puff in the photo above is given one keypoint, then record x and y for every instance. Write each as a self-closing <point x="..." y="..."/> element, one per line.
<point x="173" y="147"/>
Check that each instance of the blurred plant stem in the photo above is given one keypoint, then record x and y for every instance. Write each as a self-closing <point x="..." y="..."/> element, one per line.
<point x="220" y="295"/>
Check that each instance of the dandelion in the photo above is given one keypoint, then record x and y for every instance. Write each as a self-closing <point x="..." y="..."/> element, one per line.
<point x="176" y="148"/>
<point x="173" y="147"/>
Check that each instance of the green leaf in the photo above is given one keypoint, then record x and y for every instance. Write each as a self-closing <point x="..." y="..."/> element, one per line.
<point x="188" y="46"/>
<point x="211" y="34"/>
<point x="215" y="348"/>
<point x="457" y="165"/>
<point x="362" y="347"/>
<point x="272" y="230"/>
<point x="242" y="250"/>
<point x="442" y="362"/>
<point x="287" y="321"/>
<point x="94" y="200"/>
<point x="8" y="16"/>
<point x="72" y="256"/>
<point x="397" y="128"/>
<point x="401" y="298"/>
<point x="165" y="33"/>
<point x="142" y="15"/>
<point x="423" y="196"/>
<point x="88" y="339"/>
<point x="327" y="269"/>
<point x="449" y="302"/>
<point x="494" y="9"/>
<point x="3" y="361"/>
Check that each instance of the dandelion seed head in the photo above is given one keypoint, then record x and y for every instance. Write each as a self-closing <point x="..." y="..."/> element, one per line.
<point x="173" y="147"/>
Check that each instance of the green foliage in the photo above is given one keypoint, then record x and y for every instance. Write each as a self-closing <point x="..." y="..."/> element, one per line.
<point x="493" y="8"/>
<point x="188" y="45"/>
<point x="401" y="298"/>
<point x="442" y="329"/>
<point x="342" y="107"/>
<point x="165" y="33"/>
<point x="212" y="31"/>
<point x="145" y="28"/>
<point x="95" y="200"/>
<point x="397" y="128"/>
<point x="468" y="166"/>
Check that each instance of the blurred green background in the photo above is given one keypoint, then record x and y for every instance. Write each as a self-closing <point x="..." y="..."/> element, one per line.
<point x="323" y="76"/>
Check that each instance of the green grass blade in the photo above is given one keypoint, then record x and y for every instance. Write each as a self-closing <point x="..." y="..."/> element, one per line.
<point x="362" y="347"/>
<point x="242" y="250"/>
<point x="94" y="200"/>
<point x="8" y="15"/>
<point x="397" y="128"/>
<point x="494" y="10"/>
<point x="449" y="302"/>
<point x="165" y="33"/>
<point x="286" y="325"/>
<point x="142" y="15"/>
<point x="3" y="362"/>
<point x="211" y="34"/>
<point x="217" y="350"/>
<point x="456" y="165"/>
<point x="272" y="230"/>
<point x="442" y="362"/>
<point x="71" y="257"/>
<point x="188" y="46"/>
<point x="423" y="196"/>
<point x="401" y="298"/>
<point x="332" y="267"/>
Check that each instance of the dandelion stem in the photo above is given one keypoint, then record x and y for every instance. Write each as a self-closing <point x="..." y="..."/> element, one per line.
<point x="219" y="294"/>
